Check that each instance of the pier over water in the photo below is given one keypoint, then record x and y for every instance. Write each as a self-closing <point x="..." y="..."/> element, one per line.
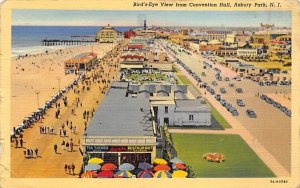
<point x="75" y="40"/>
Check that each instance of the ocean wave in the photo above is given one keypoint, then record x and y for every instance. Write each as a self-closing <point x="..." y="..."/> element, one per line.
<point x="22" y="51"/>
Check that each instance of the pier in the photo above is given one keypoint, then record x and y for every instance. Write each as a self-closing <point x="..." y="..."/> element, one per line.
<point x="75" y="40"/>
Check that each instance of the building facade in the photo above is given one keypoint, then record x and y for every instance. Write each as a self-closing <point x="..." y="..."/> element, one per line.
<point x="107" y="35"/>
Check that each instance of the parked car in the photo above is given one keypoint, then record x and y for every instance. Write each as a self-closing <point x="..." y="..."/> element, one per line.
<point x="251" y="113"/>
<point x="214" y="83"/>
<point x="231" y="85"/>
<point x="240" y="102"/>
<point x="226" y="79"/>
<point x="218" y="97"/>
<point x="239" y="90"/>
<point x="222" y="90"/>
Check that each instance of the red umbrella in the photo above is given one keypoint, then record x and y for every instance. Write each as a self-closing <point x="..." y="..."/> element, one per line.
<point x="89" y="174"/>
<point x="145" y="174"/>
<point x="162" y="167"/>
<point x="105" y="174"/>
<point x="109" y="166"/>
<point x="179" y="166"/>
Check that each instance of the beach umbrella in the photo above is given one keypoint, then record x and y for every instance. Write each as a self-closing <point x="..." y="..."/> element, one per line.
<point x="126" y="166"/>
<point x="179" y="166"/>
<point x="89" y="174"/>
<point x="162" y="174"/>
<point x="95" y="160"/>
<point x="145" y="174"/>
<point x="160" y="161"/>
<point x="144" y="166"/>
<point x="123" y="174"/>
<point x="176" y="160"/>
<point x="162" y="167"/>
<point x="179" y="174"/>
<point x="105" y="174"/>
<point x="92" y="167"/>
<point x="109" y="166"/>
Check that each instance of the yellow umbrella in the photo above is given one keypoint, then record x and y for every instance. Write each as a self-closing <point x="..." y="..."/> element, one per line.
<point x="179" y="174"/>
<point x="160" y="161"/>
<point x="95" y="161"/>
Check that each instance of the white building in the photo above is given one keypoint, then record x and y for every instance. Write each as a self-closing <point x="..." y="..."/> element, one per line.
<point x="247" y="52"/>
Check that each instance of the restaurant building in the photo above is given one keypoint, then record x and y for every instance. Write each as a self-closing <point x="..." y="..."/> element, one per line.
<point x="122" y="130"/>
<point x="80" y="63"/>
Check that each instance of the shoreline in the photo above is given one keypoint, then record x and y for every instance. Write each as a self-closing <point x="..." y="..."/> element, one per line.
<point x="43" y="73"/>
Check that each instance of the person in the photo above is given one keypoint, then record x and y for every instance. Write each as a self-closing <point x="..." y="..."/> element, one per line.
<point x="73" y="168"/>
<point x="36" y="152"/>
<point x="66" y="168"/>
<point x="63" y="144"/>
<point x="21" y="142"/>
<point x="69" y="168"/>
<point x="67" y="146"/>
<point x="55" y="148"/>
<point x="17" y="142"/>
<point x="71" y="146"/>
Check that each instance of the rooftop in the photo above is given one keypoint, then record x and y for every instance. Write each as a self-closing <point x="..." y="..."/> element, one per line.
<point x="191" y="105"/>
<point x="119" y="115"/>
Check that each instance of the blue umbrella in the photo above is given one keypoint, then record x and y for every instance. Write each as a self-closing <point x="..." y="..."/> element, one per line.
<point x="126" y="166"/>
<point x="92" y="167"/>
<point x="176" y="160"/>
<point x="144" y="166"/>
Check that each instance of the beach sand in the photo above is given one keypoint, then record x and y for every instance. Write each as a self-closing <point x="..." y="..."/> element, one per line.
<point x="44" y="73"/>
<point x="48" y="163"/>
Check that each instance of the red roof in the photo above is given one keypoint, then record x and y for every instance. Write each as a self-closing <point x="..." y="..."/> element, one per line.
<point x="135" y="46"/>
<point x="277" y="42"/>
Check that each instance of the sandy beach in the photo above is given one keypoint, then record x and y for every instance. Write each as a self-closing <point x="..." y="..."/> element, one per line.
<point x="85" y="97"/>
<point x="44" y="73"/>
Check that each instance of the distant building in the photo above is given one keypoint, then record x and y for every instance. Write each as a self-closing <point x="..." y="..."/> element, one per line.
<point x="129" y="34"/>
<point x="247" y="51"/>
<point x="226" y="51"/>
<point x="107" y="35"/>
<point x="210" y="46"/>
<point x="80" y="62"/>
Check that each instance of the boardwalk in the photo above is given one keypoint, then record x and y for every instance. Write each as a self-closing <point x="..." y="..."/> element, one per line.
<point x="48" y="163"/>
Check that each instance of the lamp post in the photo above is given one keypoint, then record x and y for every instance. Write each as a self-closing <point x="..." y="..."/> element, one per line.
<point x="37" y="92"/>
<point x="58" y="79"/>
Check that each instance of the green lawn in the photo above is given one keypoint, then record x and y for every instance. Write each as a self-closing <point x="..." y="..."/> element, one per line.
<point x="240" y="160"/>
<point x="184" y="79"/>
<point x="219" y="118"/>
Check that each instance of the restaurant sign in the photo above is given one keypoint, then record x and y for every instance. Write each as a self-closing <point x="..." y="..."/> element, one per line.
<point x="119" y="148"/>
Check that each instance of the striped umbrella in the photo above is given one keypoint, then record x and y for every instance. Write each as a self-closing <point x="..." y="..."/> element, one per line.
<point x="179" y="174"/>
<point x="109" y="166"/>
<point x="92" y="167"/>
<point x="145" y="174"/>
<point x="162" y="174"/>
<point x="105" y="174"/>
<point x="126" y="166"/>
<point x="89" y="174"/>
<point x="160" y="161"/>
<point x="95" y="160"/>
<point x="123" y="174"/>
<point x="162" y="167"/>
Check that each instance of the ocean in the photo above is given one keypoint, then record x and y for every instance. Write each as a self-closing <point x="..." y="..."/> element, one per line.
<point x="27" y="39"/>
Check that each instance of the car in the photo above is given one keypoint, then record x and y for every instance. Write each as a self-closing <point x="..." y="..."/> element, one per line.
<point x="231" y="85"/>
<point x="261" y="83"/>
<point x="226" y="79"/>
<point x="218" y="97"/>
<point x="222" y="90"/>
<point x="234" y="113"/>
<point x="223" y="102"/>
<point x="239" y="90"/>
<point x="219" y="78"/>
<point x="203" y="74"/>
<point x="251" y="113"/>
<point x="240" y="102"/>
<point x="214" y="83"/>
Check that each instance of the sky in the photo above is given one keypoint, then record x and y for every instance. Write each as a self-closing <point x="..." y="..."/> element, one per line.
<point x="156" y="18"/>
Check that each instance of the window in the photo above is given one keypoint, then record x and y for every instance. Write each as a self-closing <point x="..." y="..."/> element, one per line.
<point x="166" y="109"/>
<point x="191" y="117"/>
